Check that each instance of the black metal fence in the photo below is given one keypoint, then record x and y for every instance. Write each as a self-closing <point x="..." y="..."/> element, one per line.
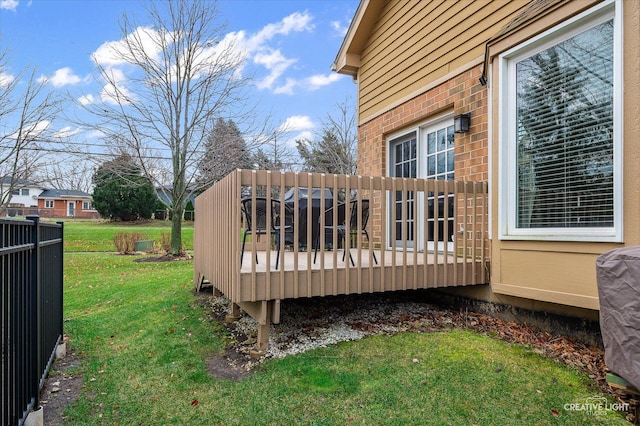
<point x="31" y="260"/>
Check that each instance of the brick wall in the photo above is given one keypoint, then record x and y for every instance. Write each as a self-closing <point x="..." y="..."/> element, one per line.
<point x="60" y="207"/>
<point x="462" y="94"/>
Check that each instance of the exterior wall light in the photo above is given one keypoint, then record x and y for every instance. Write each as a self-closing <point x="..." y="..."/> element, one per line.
<point x="461" y="123"/>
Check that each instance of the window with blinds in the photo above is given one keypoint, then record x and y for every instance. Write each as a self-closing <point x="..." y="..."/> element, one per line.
<point x="563" y="134"/>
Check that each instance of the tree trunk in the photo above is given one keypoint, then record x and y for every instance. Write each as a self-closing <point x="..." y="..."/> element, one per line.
<point x="176" y="233"/>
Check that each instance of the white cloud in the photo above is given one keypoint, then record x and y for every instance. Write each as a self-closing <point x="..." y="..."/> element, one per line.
<point x="320" y="80"/>
<point x="296" y="123"/>
<point x="5" y="79"/>
<point x="118" y="94"/>
<point x="304" y="136"/>
<point x="62" y="77"/>
<point x="286" y="88"/>
<point x="296" y="22"/>
<point x="31" y="131"/>
<point x="276" y="63"/>
<point x="86" y="99"/>
<point x="110" y="53"/>
<point x="256" y="47"/>
<point x="9" y="4"/>
<point x="340" y="29"/>
<point x="66" y="132"/>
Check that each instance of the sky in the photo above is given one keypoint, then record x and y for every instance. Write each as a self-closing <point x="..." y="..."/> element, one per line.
<point x="290" y="46"/>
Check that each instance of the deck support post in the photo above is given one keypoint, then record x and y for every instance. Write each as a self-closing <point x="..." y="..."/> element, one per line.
<point x="234" y="315"/>
<point x="264" y="312"/>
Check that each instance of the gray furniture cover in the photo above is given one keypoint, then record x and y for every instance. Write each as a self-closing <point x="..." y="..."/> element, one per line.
<point x="618" y="273"/>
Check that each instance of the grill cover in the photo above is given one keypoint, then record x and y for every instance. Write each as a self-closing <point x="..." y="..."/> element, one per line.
<point x="618" y="274"/>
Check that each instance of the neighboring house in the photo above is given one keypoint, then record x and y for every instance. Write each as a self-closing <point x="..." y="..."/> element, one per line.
<point x="28" y="198"/>
<point x="552" y="89"/>
<point x="66" y="203"/>
<point x="23" y="194"/>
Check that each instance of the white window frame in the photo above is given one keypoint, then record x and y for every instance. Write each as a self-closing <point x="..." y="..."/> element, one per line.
<point x="418" y="131"/>
<point x="48" y="204"/>
<point x="507" y="190"/>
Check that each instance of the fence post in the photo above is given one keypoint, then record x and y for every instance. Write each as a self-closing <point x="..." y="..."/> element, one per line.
<point x="61" y="324"/>
<point x="35" y="296"/>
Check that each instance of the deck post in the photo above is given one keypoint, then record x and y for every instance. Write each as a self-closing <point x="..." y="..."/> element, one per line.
<point x="262" y="312"/>
<point x="234" y="313"/>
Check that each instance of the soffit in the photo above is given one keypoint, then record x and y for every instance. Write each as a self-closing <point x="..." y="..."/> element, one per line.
<point x="348" y="59"/>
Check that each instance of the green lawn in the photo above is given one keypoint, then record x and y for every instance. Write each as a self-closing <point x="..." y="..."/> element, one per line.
<point x="144" y="340"/>
<point x="97" y="236"/>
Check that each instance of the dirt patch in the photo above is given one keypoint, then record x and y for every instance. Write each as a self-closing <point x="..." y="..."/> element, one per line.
<point x="163" y="258"/>
<point x="61" y="388"/>
<point x="229" y="365"/>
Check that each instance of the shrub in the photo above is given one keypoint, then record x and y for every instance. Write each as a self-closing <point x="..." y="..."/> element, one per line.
<point x="125" y="242"/>
<point x="165" y="241"/>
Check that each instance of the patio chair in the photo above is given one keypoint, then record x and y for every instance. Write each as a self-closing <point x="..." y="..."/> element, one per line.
<point x="341" y="228"/>
<point x="258" y="225"/>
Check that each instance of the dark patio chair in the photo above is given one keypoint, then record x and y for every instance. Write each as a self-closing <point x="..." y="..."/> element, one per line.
<point x="341" y="228"/>
<point x="258" y="225"/>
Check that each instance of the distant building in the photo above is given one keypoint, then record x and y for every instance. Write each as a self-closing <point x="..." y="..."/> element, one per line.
<point x="28" y="198"/>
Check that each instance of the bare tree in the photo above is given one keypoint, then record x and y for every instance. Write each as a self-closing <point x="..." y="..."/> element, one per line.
<point x="335" y="149"/>
<point x="75" y="175"/>
<point x="182" y="75"/>
<point x="26" y="113"/>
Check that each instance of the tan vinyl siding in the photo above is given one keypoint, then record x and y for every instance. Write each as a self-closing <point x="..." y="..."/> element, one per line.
<point x="417" y="42"/>
<point x="565" y="272"/>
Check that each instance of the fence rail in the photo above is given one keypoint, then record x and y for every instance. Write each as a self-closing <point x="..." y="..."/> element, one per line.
<point x="31" y="261"/>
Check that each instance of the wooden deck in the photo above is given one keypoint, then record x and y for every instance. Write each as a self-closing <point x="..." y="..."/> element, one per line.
<point x="258" y="287"/>
<point x="395" y="271"/>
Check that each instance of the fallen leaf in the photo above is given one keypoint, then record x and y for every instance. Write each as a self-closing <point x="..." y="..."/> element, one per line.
<point x="195" y="403"/>
<point x="555" y="413"/>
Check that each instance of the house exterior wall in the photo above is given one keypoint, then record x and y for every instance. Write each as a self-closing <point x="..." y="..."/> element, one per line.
<point x="424" y="59"/>
<point x="26" y="200"/>
<point x="416" y="44"/>
<point x="556" y="271"/>
<point x="60" y="209"/>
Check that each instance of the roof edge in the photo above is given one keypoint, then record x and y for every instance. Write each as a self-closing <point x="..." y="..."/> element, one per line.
<point x="347" y="60"/>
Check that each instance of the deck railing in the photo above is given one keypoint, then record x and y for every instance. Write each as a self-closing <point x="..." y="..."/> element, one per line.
<point x="415" y="244"/>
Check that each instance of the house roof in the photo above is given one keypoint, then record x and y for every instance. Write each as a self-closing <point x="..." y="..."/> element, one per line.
<point x="63" y="193"/>
<point x="6" y="180"/>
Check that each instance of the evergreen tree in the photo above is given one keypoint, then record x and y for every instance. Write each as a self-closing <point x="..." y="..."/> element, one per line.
<point x="225" y="151"/>
<point x="121" y="192"/>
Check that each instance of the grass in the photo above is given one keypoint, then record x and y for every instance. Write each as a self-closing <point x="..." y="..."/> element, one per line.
<point x="143" y="341"/>
<point x="97" y="236"/>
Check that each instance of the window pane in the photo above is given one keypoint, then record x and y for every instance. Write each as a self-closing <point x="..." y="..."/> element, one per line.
<point x="450" y="137"/>
<point x="441" y="163"/>
<point x="431" y="165"/>
<point x="431" y="143"/>
<point x="565" y="133"/>
<point x="442" y="139"/>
